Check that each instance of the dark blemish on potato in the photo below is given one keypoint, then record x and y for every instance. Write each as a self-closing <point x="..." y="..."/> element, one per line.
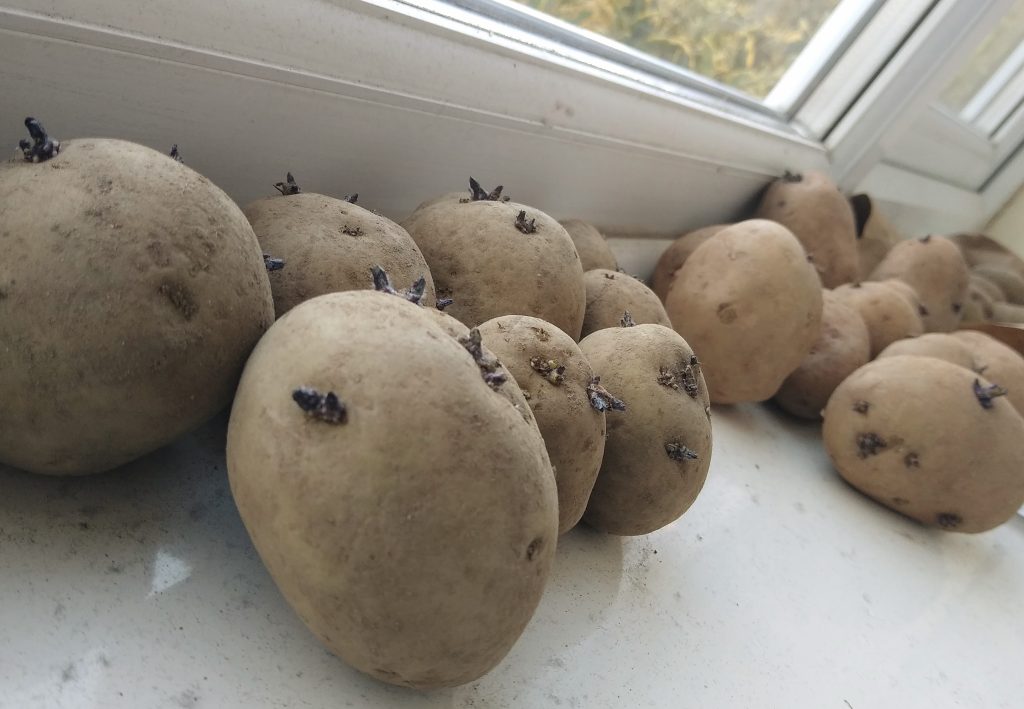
<point x="288" y="187"/>
<point x="533" y="548"/>
<point x="911" y="460"/>
<point x="479" y="194"/>
<point x="690" y="372"/>
<point x="526" y="395"/>
<point x="414" y="293"/>
<point x="352" y="230"/>
<point x="42" y="147"/>
<point x="986" y="394"/>
<point x="726" y="313"/>
<point x="949" y="520"/>
<point x="351" y="198"/>
<point x="181" y="299"/>
<point x="443" y="303"/>
<point x="679" y="453"/>
<point x="601" y="399"/>
<point x="175" y="155"/>
<point x="957" y="307"/>
<point x="667" y="378"/>
<point x="3" y="294"/>
<point x="790" y="177"/>
<point x="922" y="311"/>
<point x="610" y="276"/>
<point x="271" y="263"/>
<point x="489" y="365"/>
<point x="861" y="406"/>
<point x="322" y="407"/>
<point x="925" y="239"/>
<point x="900" y="501"/>
<point x="524" y="225"/>
<point x="627" y="320"/>
<point x="540" y="333"/>
<point x="869" y="444"/>
<point x="550" y="369"/>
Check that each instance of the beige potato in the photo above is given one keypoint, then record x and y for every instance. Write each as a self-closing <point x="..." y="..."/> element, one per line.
<point x="934" y="267"/>
<point x="926" y="438"/>
<point x="610" y="295"/>
<point x="977" y="305"/>
<point x="412" y="524"/>
<point x="812" y="207"/>
<point x="979" y="250"/>
<point x="875" y="235"/>
<point x="501" y="258"/>
<point x="554" y="375"/>
<point x="886" y="311"/>
<point x="591" y="245"/>
<point x="940" y="345"/>
<point x="986" y="286"/>
<point x="658" y="450"/>
<point x="673" y="258"/>
<point x="997" y="362"/>
<point x="749" y="304"/>
<point x="131" y="292"/>
<point x="1011" y="284"/>
<point x="1008" y="313"/>
<point x="842" y="347"/>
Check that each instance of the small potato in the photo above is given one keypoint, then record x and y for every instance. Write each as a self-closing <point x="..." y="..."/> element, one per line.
<point x="886" y="311"/>
<point x="934" y="267"/>
<point x="1008" y="312"/>
<point x="875" y="235"/>
<point x="930" y="440"/>
<point x="673" y="258"/>
<point x="591" y="245"/>
<point x="987" y="286"/>
<point x="977" y="305"/>
<point x="940" y="345"/>
<point x="1011" y="283"/>
<point x="842" y="347"/>
<point x="394" y="482"/>
<point x="812" y="207"/>
<point x="610" y="295"/>
<point x="750" y="305"/>
<point x="554" y="376"/>
<point x="997" y="362"/>
<point x="659" y="449"/>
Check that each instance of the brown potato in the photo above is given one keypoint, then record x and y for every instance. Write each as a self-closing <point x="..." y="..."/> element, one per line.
<point x="412" y="530"/>
<point x="886" y="311"/>
<point x="998" y="363"/>
<point x="554" y="375"/>
<point x="979" y="250"/>
<point x="812" y="207"/>
<point x="875" y="235"/>
<point x="1008" y="281"/>
<point x="927" y="439"/>
<point x="977" y="305"/>
<point x="673" y="258"/>
<point x="940" y="345"/>
<point x="131" y="292"/>
<point x="986" y="286"/>
<point x="842" y="347"/>
<point x="659" y="449"/>
<point x="610" y="295"/>
<point x="591" y="245"/>
<point x="1007" y="312"/>
<point x="330" y="245"/>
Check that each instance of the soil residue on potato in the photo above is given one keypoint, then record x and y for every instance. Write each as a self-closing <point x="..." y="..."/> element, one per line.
<point x="181" y="299"/>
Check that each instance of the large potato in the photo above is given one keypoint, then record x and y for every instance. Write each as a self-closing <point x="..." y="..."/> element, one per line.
<point x="673" y="258"/>
<point x="875" y="236"/>
<point x="658" y="450"/>
<point x="412" y="525"/>
<point x="1010" y="282"/>
<point x="131" y="292"/>
<point x="554" y="376"/>
<point x="997" y="362"/>
<point x="749" y="304"/>
<point x="842" y="347"/>
<point x="330" y="245"/>
<point x="610" y="295"/>
<point x="886" y="311"/>
<point x="930" y="440"/>
<point x="934" y="267"/>
<point x="940" y="345"/>
<point x="591" y="245"/>
<point x="812" y="207"/>
<point x="500" y="258"/>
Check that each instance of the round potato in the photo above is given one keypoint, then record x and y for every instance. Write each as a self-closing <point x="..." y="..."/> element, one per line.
<point x="1008" y="312"/>
<point x="591" y="245"/>
<point x="986" y="286"/>
<point x="886" y="311"/>
<point x="658" y="450"/>
<point x="929" y="439"/>
<point x="500" y="258"/>
<point x="330" y="245"/>
<point x="395" y="484"/>
<point x="875" y="236"/>
<point x="1009" y="282"/>
<point x="131" y="292"/>
<point x="842" y="347"/>
<point x="749" y="304"/>
<point x="611" y="295"/>
<point x="997" y="362"/>
<point x="940" y="345"/>
<point x="673" y="258"/>
<point x="978" y="306"/>
<point x="934" y="267"/>
<point x="812" y="207"/>
<point x="554" y="376"/>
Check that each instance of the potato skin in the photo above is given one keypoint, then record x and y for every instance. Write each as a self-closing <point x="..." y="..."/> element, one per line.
<point x="131" y="292"/>
<point x="749" y="304"/>
<point x="875" y="236"/>
<point x="611" y="294"/>
<point x="573" y="431"/>
<point x="415" y="539"/>
<point x="998" y="362"/>
<point x="673" y="258"/>
<point x="1010" y="282"/>
<point x="940" y="345"/>
<point x="987" y="286"/>
<point x="886" y="311"/>
<point x="934" y="267"/>
<point x="640" y="488"/>
<point x="842" y="347"/>
<point x="593" y="249"/>
<point x="910" y="433"/>
<point x="480" y="259"/>
<point x="812" y="207"/>
<point x="978" y="305"/>
<point x="330" y="245"/>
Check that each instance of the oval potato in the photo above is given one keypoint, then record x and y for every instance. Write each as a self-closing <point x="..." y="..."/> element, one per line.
<point x="591" y="245"/>
<point x="610" y="295"/>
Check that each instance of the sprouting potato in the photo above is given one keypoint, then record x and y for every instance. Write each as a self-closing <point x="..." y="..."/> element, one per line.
<point x="673" y="258"/>
<point x="613" y="297"/>
<point x="591" y="245"/>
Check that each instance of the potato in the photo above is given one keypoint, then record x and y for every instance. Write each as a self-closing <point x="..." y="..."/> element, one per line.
<point x="986" y="286"/>
<point x="131" y="292"/>
<point x="396" y="488"/>
<point x="554" y="376"/>
<point x="977" y="305"/>
<point x="875" y="236"/>
<point x="940" y="345"/>
<point x="935" y="269"/>
<point x="997" y="362"/>
<point x="591" y="246"/>
<point x="673" y="258"/>
<point x="930" y="440"/>
<point x="1008" y="281"/>
<point x="330" y="245"/>
<point x="749" y="304"/>
<point x="1008" y="313"/>
<point x="812" y="207"/>
<point x="610" y="295"/>
<point x="886" y="311"/>
<point x="658" y="450"/>
<point x="501" y="258"/>
<point x="979" y="250"/>
<point x="842" y="346"/>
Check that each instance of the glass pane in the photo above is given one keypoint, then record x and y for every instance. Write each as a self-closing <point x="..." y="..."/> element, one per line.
<point x="747" y="44"/>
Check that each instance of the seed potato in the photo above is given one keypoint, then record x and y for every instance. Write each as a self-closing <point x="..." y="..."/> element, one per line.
<point x="997" y="362"/>
<point x="875" y="235"/>
<point x="987" y="286"/>
<point x="1008" y="313"/>
<point x="978" y="306"/>
<point x="593" y="249"/>
<point x="610" y="295"/>
<point x="886" y="311"/>
<point x="934" y="267"/>
<point x="1010" y="282"/>
<point x="940" y="345"/>
<point x="673" y="258"/>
